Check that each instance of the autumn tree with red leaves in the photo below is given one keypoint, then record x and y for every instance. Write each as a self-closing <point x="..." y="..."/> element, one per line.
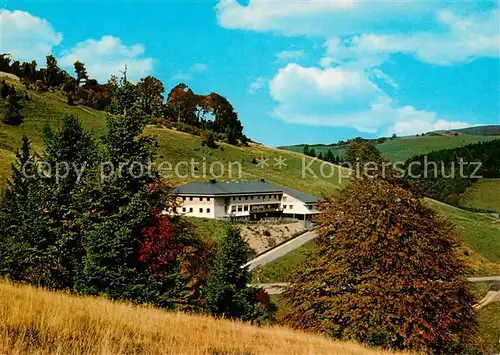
<point x="386" y="273"/>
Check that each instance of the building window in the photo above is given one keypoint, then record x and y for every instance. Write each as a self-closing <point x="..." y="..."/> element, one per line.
<point x="208" y="198"/>
<point x="183" y="209"/>
<point x="245" y="208"/>
<point x="190" y="199"/>
<point x="240" y="208"/>
<point x="284" y="198"/>
<point x="208" y="210"/>
<point x="251" y="197"/>
<point x="246" y="198"/>
<point x="290" y="207"/>
<point x="201" y="199"/>
<point x="239" y="198"/>
<point x="201" y="210"/>
<point x="191" y="209"/>
<point x="233" y="208"/>
<point x="284" y="207"/>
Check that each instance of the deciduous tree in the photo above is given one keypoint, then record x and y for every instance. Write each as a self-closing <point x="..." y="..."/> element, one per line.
<point x="386" y="273"/>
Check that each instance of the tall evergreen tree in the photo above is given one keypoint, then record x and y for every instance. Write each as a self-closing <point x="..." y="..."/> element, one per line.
<point x="70" y="154"/>
<point x="228" y="294"/>
<point x="28" y="249"/>
<point x="117" y="208"/>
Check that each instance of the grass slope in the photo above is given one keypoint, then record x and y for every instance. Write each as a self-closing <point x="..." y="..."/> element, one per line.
<point x="35" y="321"/>
<point x="401" y="149"/>
<point x="483" y="194"/>
<point x="174" y="147"/>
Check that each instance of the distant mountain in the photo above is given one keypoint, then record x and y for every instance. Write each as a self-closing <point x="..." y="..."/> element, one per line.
<point x="403" y="148"/>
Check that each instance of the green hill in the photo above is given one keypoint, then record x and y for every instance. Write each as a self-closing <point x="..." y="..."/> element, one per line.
<point x="403" y="148"/>
<point x="483" y="194"/>
<point x="174" y="147"/>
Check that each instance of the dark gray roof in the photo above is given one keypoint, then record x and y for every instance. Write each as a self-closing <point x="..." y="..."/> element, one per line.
<point x="227" y="188"/>
<point x="300" y="195"/>
<point x="239" y="187"/>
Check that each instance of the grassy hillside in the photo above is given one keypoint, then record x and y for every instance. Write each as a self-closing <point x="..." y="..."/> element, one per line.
<point x="483" y="194"/>
<point x="479" y="232"/>
<point x="491" y="130"/>
<point x="34" y="321"/>
<point x="174" y="147"/>
<point x="401" y="149"/>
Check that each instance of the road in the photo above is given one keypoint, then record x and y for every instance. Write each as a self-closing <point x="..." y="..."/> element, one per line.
<point x="492" y="296"/>
<point x="280" y="250"/>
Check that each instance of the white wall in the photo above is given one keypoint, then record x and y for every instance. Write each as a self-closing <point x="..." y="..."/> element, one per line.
<point x="198" y="207"/>
<point x="223" y="206"/>
<point x="291" y="205"/>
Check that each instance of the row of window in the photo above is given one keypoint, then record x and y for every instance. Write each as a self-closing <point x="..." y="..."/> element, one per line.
<point x="184" y="209"/>
<point x="239" y="198"/>
<point x="191" y="198"/>
<point x="239" y="208"/>
<point x="263" y="197"/>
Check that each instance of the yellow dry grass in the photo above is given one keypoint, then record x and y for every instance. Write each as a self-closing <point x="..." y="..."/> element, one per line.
<point x="35" y="321"/>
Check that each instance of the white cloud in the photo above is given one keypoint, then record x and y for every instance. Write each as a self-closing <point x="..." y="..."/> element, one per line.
<point x="107" y="56"/>
<point x="27" y="37"/>
<point x="199" y="67"/>
<point x="184" y="75"/>
<point x="320" y="18"/>
<point x="418" y="126"/>
<point x="257" y="85"/>
<point x="380" y="75"/>
<point x="461" y="39"/>
<point x="343" y="97"/>
<point x="289" y="55"/>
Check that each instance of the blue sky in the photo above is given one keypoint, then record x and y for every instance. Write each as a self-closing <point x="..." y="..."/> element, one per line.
<point x="296" y="72"/>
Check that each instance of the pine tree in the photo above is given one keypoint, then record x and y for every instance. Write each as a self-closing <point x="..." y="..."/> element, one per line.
<point x="386" y="273"/>
<point x="28" y="249"/>
<point x="117" y="208"/>
<point x="228" y="294"/>
<point x="70" y="152"/>
<point x="329" y="157"/>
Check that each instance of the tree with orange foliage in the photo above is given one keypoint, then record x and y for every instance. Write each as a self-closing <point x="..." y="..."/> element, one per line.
<point x="386" y="273"/>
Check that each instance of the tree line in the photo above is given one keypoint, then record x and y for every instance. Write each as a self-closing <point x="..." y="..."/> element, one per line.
<point x="439" y="171"/>
<point x="110" y="237"/>
<point x="328" y="156"/>
<point x="204" y="115"/>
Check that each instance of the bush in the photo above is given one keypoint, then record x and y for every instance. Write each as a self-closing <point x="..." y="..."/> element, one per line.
<point x="208" y="139"/>
<point x="183" y="127"/>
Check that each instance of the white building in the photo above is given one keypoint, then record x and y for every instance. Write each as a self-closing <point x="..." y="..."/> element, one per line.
<point x="244" y="199"/>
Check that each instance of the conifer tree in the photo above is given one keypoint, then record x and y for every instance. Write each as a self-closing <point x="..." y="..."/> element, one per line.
<point x="228" y="294"/>
<point x="70" y="153"/>
<point x="27" y="238"/>
<point x="386" y="273"/>
<point x="117" y="208"/>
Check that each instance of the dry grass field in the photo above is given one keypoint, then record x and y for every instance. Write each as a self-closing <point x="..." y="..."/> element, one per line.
<point x="35" y="321"/>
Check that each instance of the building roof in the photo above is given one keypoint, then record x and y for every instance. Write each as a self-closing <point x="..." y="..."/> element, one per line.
<point x="300" y="195"/>
<point x="239" y="187"/>
<point x="227" y="188"/>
